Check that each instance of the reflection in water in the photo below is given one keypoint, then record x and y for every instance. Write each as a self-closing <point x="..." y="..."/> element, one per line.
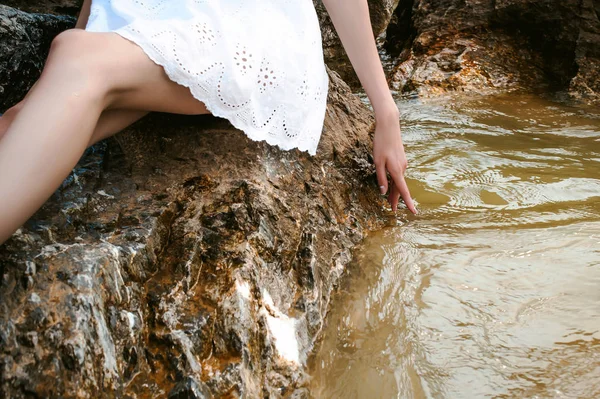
<point x="494" y="289"/>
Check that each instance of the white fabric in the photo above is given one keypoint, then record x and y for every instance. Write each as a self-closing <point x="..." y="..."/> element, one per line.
<point x="257" y="63"/>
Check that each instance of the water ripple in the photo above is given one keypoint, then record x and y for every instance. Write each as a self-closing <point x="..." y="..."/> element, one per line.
<point x="493" y="290"/>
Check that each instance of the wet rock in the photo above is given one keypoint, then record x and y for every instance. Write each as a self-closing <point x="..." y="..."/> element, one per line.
<point x="486" y="46"/>
<point x="189" y="388"/>
<point x="182" y="258"/>
<point x="24" y="42"/>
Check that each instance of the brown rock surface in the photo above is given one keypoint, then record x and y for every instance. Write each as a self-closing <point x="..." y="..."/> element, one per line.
<point x="485" y="45"/>
<point x="182" y="259"/>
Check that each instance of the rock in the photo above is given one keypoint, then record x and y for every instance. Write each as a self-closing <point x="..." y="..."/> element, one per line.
<point x="380" y="12"/>
<point x="486" y="46"/>
<point x="60" y="7"/>
<point x="189" y="388"/>
<point x="181" y="255"/>
<point x="24" y="42"/>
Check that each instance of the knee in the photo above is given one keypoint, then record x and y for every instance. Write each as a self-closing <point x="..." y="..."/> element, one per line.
<point x="70" y="45"/>
<point x="74" y="55"/>
<point x="65" y="38"/>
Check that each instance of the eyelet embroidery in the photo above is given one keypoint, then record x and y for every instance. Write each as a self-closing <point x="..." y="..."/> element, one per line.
<point x="267" y="77"/>
<point x="271" y="85"/>
<point x="243" y="59"/>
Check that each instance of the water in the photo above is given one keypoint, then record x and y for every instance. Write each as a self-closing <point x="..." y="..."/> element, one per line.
<point x="493" y="291"/>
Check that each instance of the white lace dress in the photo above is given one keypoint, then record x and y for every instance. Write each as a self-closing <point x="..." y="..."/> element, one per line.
<point x="257" y="63"/>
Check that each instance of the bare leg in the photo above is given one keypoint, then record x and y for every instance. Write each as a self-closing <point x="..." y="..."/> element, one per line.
<point x="5" y="121"/>
<point x="45" y="139"/>
<point x="8" y="117"/>
<point x="111" y="121"/>
<point x="85" y="74"/>
<point x="11" y="113"/>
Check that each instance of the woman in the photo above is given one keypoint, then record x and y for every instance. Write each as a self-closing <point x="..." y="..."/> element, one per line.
<point x="126" y="58"/>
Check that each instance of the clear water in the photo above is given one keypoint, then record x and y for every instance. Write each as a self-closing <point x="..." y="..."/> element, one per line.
<point x="493" y="291"/>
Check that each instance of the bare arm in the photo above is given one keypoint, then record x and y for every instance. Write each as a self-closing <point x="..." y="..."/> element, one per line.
<point x="353" y="25"/>
<point x="84" y="14"/>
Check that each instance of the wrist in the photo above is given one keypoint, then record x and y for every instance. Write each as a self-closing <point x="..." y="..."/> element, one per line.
<point x="387" y="114"/>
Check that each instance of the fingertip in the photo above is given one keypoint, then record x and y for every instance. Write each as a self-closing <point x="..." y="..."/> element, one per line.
<point x="412" y="207"/>
<point x="415" y="211"/>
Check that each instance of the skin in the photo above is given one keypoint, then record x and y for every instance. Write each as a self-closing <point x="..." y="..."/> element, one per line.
<point x="352" y="24"/>
<point x="93" y="85"/>
<point x="86" y="74"/>
<point x="110" y="122"/>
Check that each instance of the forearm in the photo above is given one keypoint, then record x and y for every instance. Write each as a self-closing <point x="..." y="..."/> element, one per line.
<point x="84" y="14"/>
<point x="353" y="25"/>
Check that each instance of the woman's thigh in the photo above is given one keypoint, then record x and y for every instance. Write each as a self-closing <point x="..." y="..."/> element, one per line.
<point x="135" y="81"/>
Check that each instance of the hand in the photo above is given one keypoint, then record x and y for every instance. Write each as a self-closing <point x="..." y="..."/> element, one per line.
<point x="388" y="153"/>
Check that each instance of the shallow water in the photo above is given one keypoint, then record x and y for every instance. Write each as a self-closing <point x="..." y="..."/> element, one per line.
<point x="494" y="289"/>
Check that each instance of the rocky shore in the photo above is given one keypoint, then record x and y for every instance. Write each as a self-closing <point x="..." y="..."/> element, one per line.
<point x="487" y="46"/>
<point x="181" y="259"/>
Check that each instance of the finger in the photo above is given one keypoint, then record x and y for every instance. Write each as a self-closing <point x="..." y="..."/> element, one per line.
<point x="393" y="196"/>
<point x="400" y="183"/>
<point x="405" y="193"/>
<point x="382" y="179"/>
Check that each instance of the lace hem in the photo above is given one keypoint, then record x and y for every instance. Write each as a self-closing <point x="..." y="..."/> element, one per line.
<point x="175" y="76"/>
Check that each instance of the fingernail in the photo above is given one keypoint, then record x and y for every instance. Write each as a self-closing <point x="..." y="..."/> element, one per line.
<point x="382" y="189"/>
